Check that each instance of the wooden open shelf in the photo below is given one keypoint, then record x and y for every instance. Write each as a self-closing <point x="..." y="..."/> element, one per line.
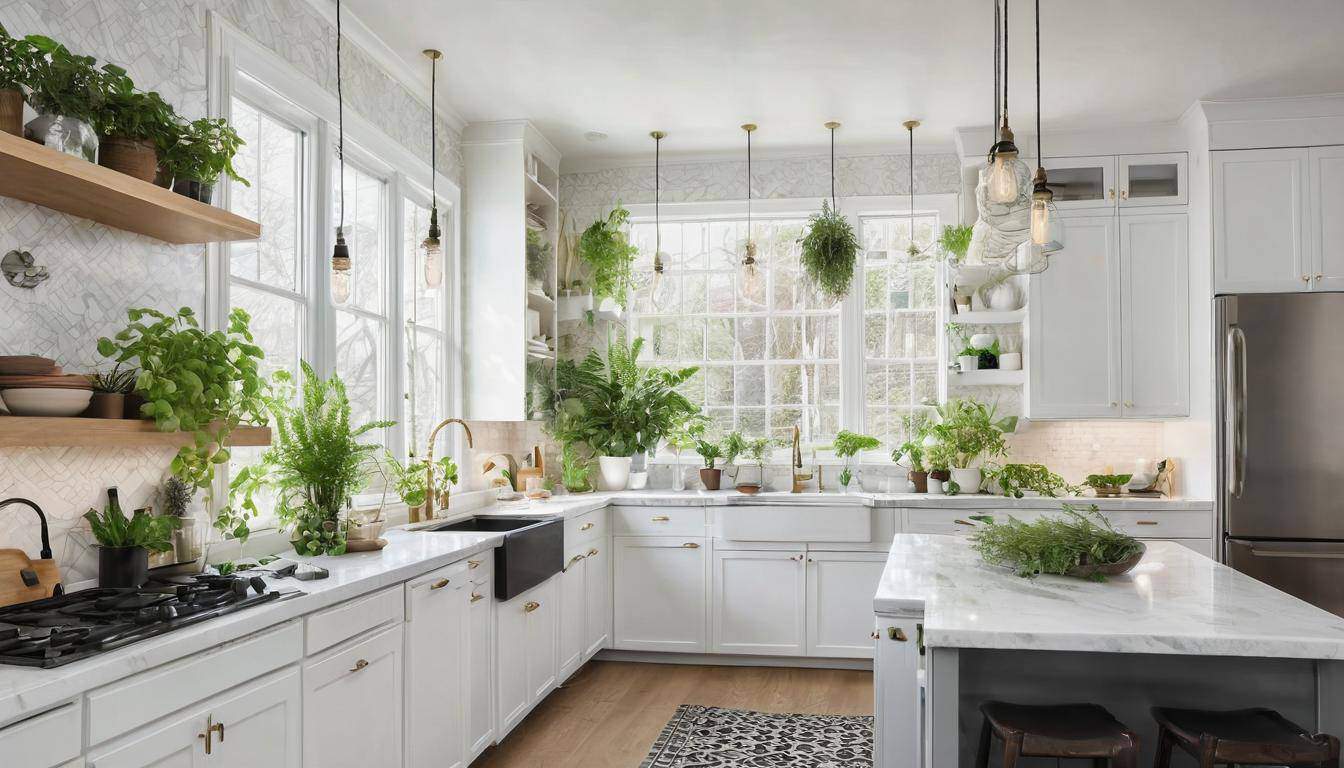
<point x="48" y="431"/>
<point x="32" y="172"/>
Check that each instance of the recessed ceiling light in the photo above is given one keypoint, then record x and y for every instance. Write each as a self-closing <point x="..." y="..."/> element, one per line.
<point x="595" y="136"/>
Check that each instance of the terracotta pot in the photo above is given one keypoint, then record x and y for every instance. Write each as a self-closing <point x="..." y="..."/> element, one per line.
<point x="136" y="158"/>
<point x="920" y="480"/>
<point x="750" y="489"/>
<point x="106" y="405"/>
<point x="711" y="478"/>
<point x="11" y="112"/>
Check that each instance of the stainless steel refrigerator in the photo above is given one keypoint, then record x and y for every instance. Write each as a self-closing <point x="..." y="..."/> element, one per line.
<point x="1280" y="396"/>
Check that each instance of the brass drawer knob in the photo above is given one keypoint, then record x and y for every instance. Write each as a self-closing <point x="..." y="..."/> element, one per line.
<point x="531" y="606"/>
<point x="572" y="561"/>
<point x="660" y="518"/>
<point x="592" y="552"/>
<point x="897" y="634"/>
<point x="691" y="545"/>
<point x="476" y="598"/>
<point x="359" y="665"/>
<point x="440" y="584"/>
<point x="473" y="564"/>
<point x="586" y="527"/>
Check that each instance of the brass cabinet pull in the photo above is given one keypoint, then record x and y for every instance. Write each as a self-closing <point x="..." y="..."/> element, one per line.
<point x="475" y="597"/>
<point x="1146" y="522"/>
<point x="1129" y="403"/>
<point x="690" y="545"/>
<point x="919" y="637"/>
<point x="211" y="728"/>
<point x="1112" y="191"/>
<point x="591" y="552"/>
<point x="473" y="564"/>
<point x="897" y="634"/>
<point x="586" y="527"/>
<point x="959" y="521"/>
<point x="531" y="606"/>
<point x="440" y="584"/>
<point x="359" y="665"/>
<point x="660" y="518"/>
<point x="1306" y="278"/>
<point x="572" y="561"/>
<point x="219" y="727"/>
<point x="1320" y="277"/>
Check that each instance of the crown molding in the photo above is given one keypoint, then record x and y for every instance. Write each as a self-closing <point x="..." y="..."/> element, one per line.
<point x="593" y="163"/>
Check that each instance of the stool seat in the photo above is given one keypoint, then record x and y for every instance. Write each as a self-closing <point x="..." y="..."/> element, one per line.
<point x="1245" y="736"/>
<point x="1057" y="730"/>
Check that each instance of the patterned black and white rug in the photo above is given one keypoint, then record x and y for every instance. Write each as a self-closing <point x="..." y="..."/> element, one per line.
<point x="711" y="737"/>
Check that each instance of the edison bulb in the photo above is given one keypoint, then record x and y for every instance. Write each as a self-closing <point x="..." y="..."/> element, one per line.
<point x="750" y="278"/>
<point x="433" y="262"/>
<point x="340" y="285"/>
<point x="1040" y="221"/>
<point x="1003" y="179"/>
<point x="656" y="298"/>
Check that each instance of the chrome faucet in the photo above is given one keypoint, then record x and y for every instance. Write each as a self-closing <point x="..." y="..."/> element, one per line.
<point x="429" y="464"/>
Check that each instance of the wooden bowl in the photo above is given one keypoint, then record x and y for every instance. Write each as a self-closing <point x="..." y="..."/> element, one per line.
<point x="749" y="489"/>
<point x="1085" y="570"/>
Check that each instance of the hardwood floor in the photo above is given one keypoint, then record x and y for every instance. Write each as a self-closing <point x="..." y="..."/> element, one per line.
<point x="610" y="713"/>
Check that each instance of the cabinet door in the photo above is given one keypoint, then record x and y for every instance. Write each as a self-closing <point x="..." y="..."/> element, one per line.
<point x="1260" y="221"/>
<point x="352" y="704"/>
<point x="1327" y="226"/>
<point x="436" y="609"/>
<point x="1082" y="182"/>
<point x="840" y="590"/>
<point x="1155" y="284"/>
<point x="1073" y="343"/>
<point x="573" y="613"/>
<point x="899" y="716"/>
<point x="758" y="602"/>
<point x="511" y="694"/>
<point x="542" y="611"/>
<point x="479" y="660"/>
<point x="659" y="594"/>
<point x="1152" y="179"/>
<point x="597" y="582"/>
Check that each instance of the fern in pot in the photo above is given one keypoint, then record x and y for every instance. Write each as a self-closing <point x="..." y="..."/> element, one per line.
<point x="830" y="250"/>
<point x="609" y="256"/>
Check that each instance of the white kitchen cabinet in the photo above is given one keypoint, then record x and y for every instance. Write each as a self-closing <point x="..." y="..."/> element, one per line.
<point x="256" y="724"/>
<point x="660" y="594"/>
<point x="1154" y="313"/>
<point x="840" y="590"/>
<point x="573" y="612"/>
<point x="436" y="612"/>
<point x="1261" y="239"/>
<point x="352" y="703"/>
<point x="526" y="640"/>
<point x="1073" y="342"/>
<point x="597" y="603"/>
<point x="1147" y="180"/>
<point x="43" y="740"/>
<point x="479" y="656"/>
<point x="1327" y="225"/>
<point x="899" y="715"/>
<point x="758" y="602"/>
<point x="1082" y="182"/>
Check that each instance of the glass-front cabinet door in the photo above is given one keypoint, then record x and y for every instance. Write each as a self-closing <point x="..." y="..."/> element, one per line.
<point x="1082" y="182"/>
<point x="1151" y="179"/>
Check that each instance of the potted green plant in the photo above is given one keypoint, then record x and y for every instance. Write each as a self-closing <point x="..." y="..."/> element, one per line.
<point x="1016" y="480"/>
<point x="538" y="254"/>
<point x="131" y="124"/>
<point x="734" y="445"/>
<point x="939" y="456"/>
<point x="574" y="470"/>
<point x="109" y="392"/>
<point x="203" y="151"/>
<point x="175" y="500"/>
<point x="683" y="437"/>
<point x="971" y="430"/>
<point x="1083" y="545"/>
<point x="206" y="383"/>
<point x="968" y="359"/>
<point x="829" y="251"/>
<point x="67" y="92"/>
<point x="847" y="445"/>
<point x="315" y="463"/>
<point x="758" y="450"/>
<point x="912" y="450"/>
<point x="609" y="256"/>
<point x="16" y="63"/>
<point x="124" y="543"/>
<point x="710" y="475"/>
<point x="410" y="482"/>
<point x="955" y="241"/>
<point x="1107" y="484"/>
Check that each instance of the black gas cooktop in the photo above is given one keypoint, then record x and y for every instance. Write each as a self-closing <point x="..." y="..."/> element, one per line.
<point x="59" y="630"/>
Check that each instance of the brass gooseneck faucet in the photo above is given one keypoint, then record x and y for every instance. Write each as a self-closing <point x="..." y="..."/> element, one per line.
<point x="800" y="478"/>
<point x="429" y="462"/>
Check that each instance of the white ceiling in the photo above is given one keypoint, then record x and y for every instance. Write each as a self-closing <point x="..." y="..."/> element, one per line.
<point x="699" y="68"/>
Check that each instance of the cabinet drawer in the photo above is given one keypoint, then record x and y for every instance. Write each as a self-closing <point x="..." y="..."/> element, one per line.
<point x="658" y="521"/>
<point x="585" y="527"/>
<point x="957" y="521"/>
<point x="128" y="704"/>
<point x="441" y="582"/>
<point x="1163" y="524"/>
<point x="45" y="740"/>
<point x="344" y="621"/>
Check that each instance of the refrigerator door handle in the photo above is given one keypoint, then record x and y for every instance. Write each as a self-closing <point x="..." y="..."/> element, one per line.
<point x="1235" y="383"/>
<point x="1284" y="551"/>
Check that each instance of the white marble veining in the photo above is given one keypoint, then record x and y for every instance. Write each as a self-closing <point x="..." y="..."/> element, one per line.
<point x="1174" y="602"/>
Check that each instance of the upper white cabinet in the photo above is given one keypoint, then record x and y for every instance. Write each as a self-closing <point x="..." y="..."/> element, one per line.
<point x="1082" y="182"/>
<point x="1154" y="301"/>
<point x="1152" y="179"/>
<point x="759" y="602"/>
<point x="1118" y="181"/>
<point x="1327" y="223"/>
<point x="352" y="703"/>
<point x="1261" y="222"/>
<point x="660" y="593"/>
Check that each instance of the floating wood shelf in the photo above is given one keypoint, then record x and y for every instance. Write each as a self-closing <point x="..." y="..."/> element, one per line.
<point x="986" y="317"/>
<point x="48" y="431"/>
<point x="987" y="378"/>
<point x="32" y="172"/>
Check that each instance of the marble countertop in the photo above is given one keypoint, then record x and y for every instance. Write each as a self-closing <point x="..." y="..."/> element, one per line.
<point x="1174" y="602"/>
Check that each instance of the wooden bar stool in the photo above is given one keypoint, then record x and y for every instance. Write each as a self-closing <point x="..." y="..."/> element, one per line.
<point x="1241" y="737"/>
<point x="1060" y="730"/>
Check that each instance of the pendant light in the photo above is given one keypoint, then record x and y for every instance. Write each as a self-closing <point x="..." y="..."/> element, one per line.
<point x="1042" y="197"/>
<point x="910" y="126"/>
<point x="749" y="277"/>
<point x="656" y="287"/>
<point x="432" y="245"/>
<point x="340" y="254"/>
<point x="1003" y="156"/>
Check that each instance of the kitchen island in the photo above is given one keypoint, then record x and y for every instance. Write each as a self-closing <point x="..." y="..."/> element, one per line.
<point x="1179" y="630"/>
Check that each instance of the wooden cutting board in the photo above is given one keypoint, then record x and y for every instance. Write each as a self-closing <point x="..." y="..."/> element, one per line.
<point x="13" y="565"/>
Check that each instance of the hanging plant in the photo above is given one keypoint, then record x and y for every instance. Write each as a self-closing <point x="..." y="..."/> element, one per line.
<point x="609" y="255"/>
<point x="830" y="250"/>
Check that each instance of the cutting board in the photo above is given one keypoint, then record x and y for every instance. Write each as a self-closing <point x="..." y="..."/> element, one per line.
<point x="13" y="564"/>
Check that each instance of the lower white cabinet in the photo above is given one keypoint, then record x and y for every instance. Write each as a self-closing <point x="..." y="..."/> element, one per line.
<point x="840" y="590"/>
<point x="253" y="725"/>
<point x="573" y="613"/>
<point x="659" y="594"/>
<point x="597" y="602"/>
<point x="352" y="703"/>
<point x="43" y="741"/>
<point x="435" y="636"/>
<point x="479" y="655"/>
<point x="758" y="602"/>
<point x="527" y="656"/>
<point x="900" y="701"/>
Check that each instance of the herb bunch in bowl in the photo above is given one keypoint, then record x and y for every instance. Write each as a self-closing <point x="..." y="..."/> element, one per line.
<point x="1082" y="544"/>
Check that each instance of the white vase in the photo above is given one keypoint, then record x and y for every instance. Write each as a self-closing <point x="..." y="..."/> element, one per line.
<point x="615" y="472"/>
<point x="968" y="363"/>
<point x="968" y="480"/>
<point x="638" y="480"/>
<point x="935" y="487"/>
<point x="1010" y="361"/>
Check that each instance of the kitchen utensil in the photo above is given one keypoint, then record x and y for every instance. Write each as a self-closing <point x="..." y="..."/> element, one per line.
<point x="23" y="579"/>
<point x="47" y="401"/>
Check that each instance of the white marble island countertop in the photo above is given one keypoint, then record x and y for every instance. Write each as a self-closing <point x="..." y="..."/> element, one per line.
<point x="1174" y="602"/>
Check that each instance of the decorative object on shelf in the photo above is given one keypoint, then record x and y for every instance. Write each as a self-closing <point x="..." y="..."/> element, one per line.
<point x="1163" y="482"/>
<point x="50" y="395"/>
<point x="609" y="255"/>
<point x="955" y="241"/>
<point x="1080" y="544"/>
<point x="969" y="358"/>
<point x="830" y="248"/>
<point x="1015" y="480"/>
<point x="124" y="543"/>
<point x="175" y="500"/>
<point x="847" y="445"/>
<point x="340" y="252"/>
<point x="710" y="475"/>
<point x="132" y="124"/>
<point x="17" y="58"/>
<point x="916" y="426"/>
<point x="109" y="392"/>
<point x="21" y="271"/>
<point x="749" y="273"/>
<point x="970" y="430"/>
<point x="657" y="295"/>
<point x="1002" y="199"/>
<point x="1107" y="484"/>
<point x="66" y="91"/>
<point x="204" y="152"/>
<point x="432" y="246"/>
<point x="1002" y="293"/>
<point x="1010" y="356"/>
<point x="575" y="470"/>
<point x="538" y="253"/>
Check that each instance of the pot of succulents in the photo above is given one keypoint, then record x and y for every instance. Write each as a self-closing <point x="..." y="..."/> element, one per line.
<point x="829" y="251"/>
<point x="710" y="475"/>
<point x="16" y="61"/>
<point x="1020" y="480"/>
<point x="575" y="470"/>
<point x="955" y="241"/>
<point x="124" y="543"/>
<point x="67" y="92"/>
<point x="1080" y="544"/>
<point x="972" y="430"/>
<point x="847" y="445"/>
<point x="758" y="450"/>
<point x="608" y="257"/>
<point x="315" y="463"/>
<point x="131" y="124"/>
<point x="203" y="152"/>
<point x="109" y="392"/>
<point x="1107" y="485"/>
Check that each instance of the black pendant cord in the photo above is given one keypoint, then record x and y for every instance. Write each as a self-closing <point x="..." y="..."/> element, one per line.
<point x="998" y="39"/>
<point x="912" y="185"/>
<point x="1005" y="60"/>
<point x="340" y="116"/>
<point x="433" y="135"/>
<point x="657" y="201"/>
<point x="1040" y="161"/>
<point x="832" y="169"/>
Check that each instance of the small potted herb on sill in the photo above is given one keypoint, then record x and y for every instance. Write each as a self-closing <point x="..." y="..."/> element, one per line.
<point x="67" y="92"/>
<point x="124" y="543"/>
<point x="939" y="456"/>
<point x="1107" y="485"/>
<point x="971" y="430"/>
<point x="109" y="392"/>
<point x="917" y="427"/>
<point x="710" y="475"/>
<point x="131" y="124"/>
<point x="847" y="445"/>
<point x="203" y="152"/>
<point x="17" y="56"/>
<point x="758" y="450"/>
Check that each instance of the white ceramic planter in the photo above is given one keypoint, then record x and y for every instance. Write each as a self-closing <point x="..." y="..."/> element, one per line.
<point x="615" y="472"/>
<point x="968" y="363"/>
<point x="967" y="479"/>
<point x="1010" y="361"/>
<point x="935" y="487"/>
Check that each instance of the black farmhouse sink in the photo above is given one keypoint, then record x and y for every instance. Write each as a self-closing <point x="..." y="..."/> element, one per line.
<point x="532" y="552"/>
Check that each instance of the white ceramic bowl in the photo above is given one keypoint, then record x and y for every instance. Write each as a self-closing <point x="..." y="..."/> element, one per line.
<point x="47" y="402"/>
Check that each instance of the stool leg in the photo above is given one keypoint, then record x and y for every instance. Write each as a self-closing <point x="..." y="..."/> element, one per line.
<point x="1333" y="762"/>
<point x="1012" y="749"/>
<point x="1128" y="756"/>
<point x="1165" y="743"/>
<point x="982" y="754"/>
<point x="1208" y="747"/>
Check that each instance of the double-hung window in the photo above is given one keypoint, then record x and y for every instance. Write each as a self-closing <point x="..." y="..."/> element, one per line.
<point x="426" y="334"/>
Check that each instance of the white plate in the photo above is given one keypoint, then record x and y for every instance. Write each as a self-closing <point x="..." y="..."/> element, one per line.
<point x="47" y="402"/>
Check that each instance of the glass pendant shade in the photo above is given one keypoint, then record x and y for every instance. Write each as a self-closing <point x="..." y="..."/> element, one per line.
<point x="1003" y="179"/>
<point x="340" y="270"/>
<point x="433" y="248"/>
<point x="1040" y="221"/>
<point x="749" y="274"/>
<point x="657" y="285"/>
